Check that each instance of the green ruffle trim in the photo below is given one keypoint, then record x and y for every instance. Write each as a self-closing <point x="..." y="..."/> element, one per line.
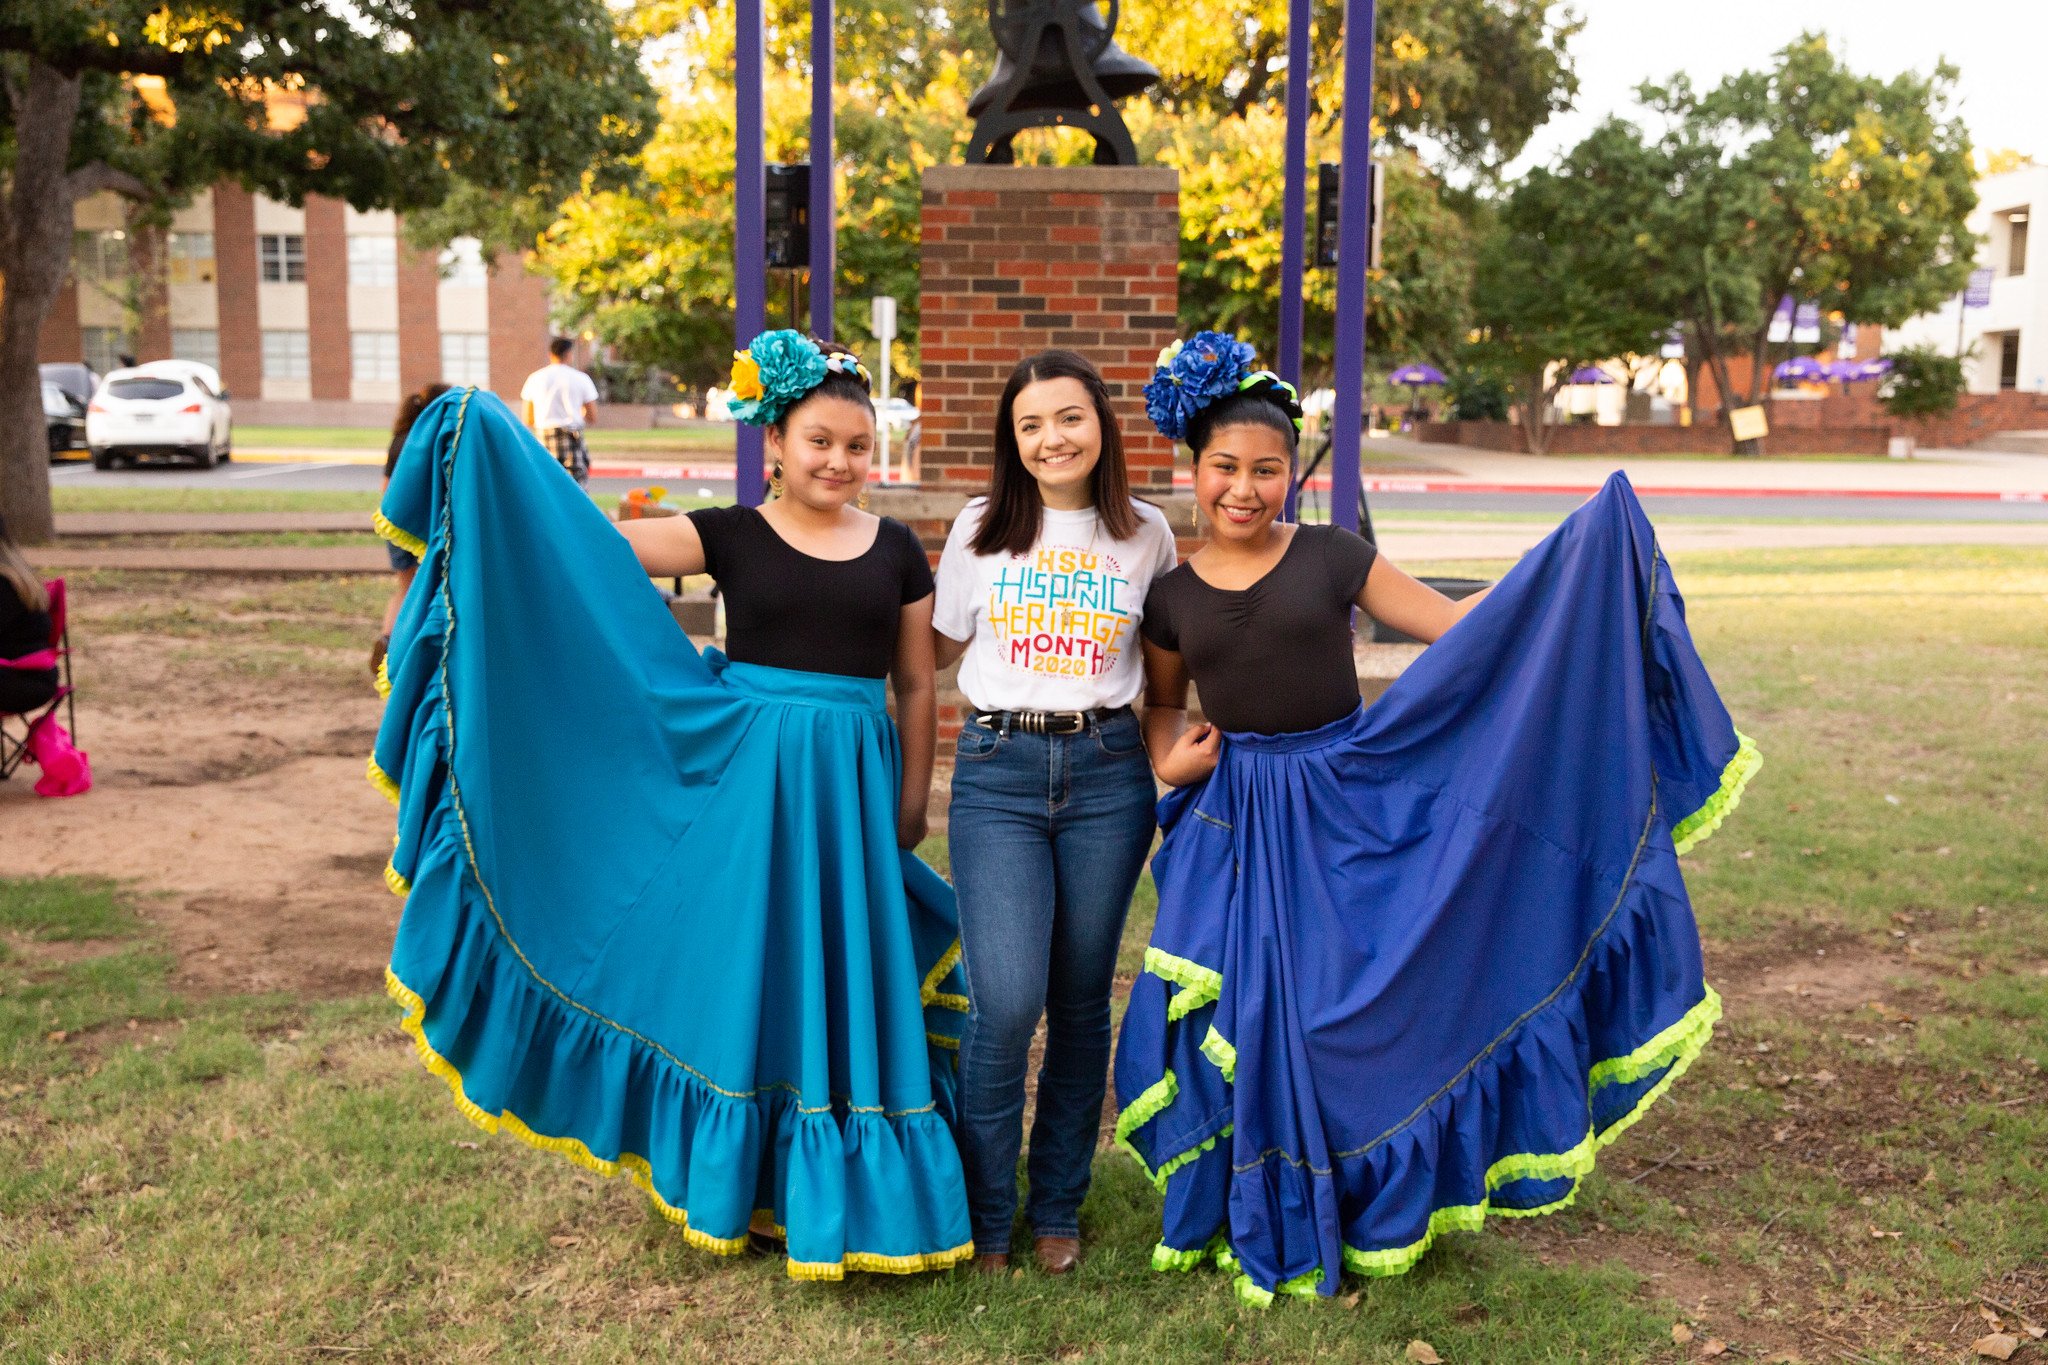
<point x="1142" y="1111"/>
<point x="403" y="539"/>
<point x="1675" y="1047"/>
<point x="1704" y="821"/>
<point x="1199" y="985"/>
<point x="1217" y="1049"/>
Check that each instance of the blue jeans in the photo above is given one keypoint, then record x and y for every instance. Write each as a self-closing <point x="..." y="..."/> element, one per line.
<point x="1048" y="834"/>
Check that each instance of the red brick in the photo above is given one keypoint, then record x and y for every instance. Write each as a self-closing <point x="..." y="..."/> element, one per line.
<point x="234" y="252"/>
<point x="331" y="360"/>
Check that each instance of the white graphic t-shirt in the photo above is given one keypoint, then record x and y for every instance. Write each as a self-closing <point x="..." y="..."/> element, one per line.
<point x="1055" y="628"/>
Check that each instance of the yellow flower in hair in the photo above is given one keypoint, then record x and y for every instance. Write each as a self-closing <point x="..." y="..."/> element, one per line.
<point x="746" y="376"/>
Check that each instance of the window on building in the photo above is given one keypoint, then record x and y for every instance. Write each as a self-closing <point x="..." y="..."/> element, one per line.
<point x="373" y="261"/>
<point x="201" y="344"/>
<point x="2009" y="361"/>
<point x="373" y="356"/>
<point x="285" y="355"/>
<point x="189" y="256"/>
<point x="2016" y="242"/>
<point x="103" y="347"/>
<point x="100" y="257"/>
<point x="466" y="358"/>
<point x="462" y="263"/>
<point x="282" y="256"/>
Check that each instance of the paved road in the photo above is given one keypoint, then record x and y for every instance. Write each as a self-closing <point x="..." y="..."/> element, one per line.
<point x="325" y="476"/>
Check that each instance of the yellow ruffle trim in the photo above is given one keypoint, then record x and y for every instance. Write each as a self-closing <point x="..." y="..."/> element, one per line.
<point x="403" y="539"/>
<point x="633" y="1166"/>
<point x="397" y="882"/>
<point x="930" y="994"/>
<point x="1694" y="828"/>
<point x="1199" y="985"/>
<point x="383" y="781"/>
<point x="383" y="679"/>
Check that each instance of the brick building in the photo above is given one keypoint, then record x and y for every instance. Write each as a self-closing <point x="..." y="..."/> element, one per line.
<point x="317" y="314"/>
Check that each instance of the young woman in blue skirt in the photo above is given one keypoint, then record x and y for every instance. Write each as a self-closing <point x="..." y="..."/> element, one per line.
<point x="661" y="913"/>
<point x="1040" y="594"/>
<point x="1417" y="962"/>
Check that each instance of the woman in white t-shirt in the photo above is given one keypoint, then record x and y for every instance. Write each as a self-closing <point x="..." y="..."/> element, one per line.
<point x="1040" y="592"/>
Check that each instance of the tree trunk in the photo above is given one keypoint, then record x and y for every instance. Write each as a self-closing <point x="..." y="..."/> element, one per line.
<point x="1535" y="415"/>
<point x="35" y="251"/>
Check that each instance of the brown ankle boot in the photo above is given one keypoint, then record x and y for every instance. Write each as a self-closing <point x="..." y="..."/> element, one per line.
<point x="1058" y="1255"/>
<point x="992" y="1263"/>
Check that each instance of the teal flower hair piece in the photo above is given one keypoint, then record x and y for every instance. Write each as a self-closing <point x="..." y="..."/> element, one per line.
<point x="773" y="374"/>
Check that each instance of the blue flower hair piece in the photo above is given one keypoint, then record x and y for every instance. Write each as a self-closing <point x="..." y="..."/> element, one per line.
<point x="1192" y="374"/>
<point x="775" y="372"/>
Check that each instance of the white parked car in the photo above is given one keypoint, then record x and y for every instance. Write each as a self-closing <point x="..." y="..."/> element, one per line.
<point x="172" y="409"/>
<point x="896" y="412"/>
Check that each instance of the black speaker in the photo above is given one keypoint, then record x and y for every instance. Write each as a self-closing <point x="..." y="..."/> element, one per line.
<point x="788" y="243"/>
<point x="1329" y="190"/>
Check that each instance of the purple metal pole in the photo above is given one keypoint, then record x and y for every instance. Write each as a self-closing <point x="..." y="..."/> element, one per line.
<point x="1347" y="419"/>
<point x="823" y="214"/>
<point x="749" y="226"/>
<point x="1294" y="200"/>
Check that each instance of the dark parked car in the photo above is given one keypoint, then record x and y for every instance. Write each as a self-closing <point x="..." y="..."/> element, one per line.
<point x="65" y="418"/>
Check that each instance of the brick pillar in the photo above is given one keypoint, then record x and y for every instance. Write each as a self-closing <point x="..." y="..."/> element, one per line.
<point x="330" y="362"/>
<point x="1019" y="259"/>
<point x="61" y="339"/>
<point x="234" y="251"/>
<point x="518" y="300"/>
<point x="419" y="317"/>
<point x="147" y="260"/>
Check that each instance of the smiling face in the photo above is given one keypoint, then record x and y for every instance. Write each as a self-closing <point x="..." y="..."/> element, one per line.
<point x="824" y="448"/>
<point x="1241" y="482"/>
<point x="1059" y="440"/>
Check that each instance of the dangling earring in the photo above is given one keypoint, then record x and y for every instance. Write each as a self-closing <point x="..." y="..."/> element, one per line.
<point x="775" y="481"/>
<point x="862" y="501"/>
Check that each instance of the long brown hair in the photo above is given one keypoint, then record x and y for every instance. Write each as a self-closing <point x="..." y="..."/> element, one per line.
<point x="1016" y="511"/>
<point x="18" y="573"/>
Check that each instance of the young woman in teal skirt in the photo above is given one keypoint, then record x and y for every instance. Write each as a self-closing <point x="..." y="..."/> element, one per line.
<point x="662" y="917"/>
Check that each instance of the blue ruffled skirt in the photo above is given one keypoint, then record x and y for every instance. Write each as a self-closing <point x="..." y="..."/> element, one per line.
<point x="1421" y="964"/>
<point x="656" y="919"/>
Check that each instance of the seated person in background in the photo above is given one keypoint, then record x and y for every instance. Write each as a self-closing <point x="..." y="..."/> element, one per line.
<point x="24" y="630"/>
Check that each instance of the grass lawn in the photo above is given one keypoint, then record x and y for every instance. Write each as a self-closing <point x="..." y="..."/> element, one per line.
<point x="270" y="500"/>
<point x="1857" y="1165"/>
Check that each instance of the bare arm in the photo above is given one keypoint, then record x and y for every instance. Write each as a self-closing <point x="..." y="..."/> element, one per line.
<point x="668" y="547"/>
<point x="917" y="718"/>
<point x="1180" y="756"/>
<point x="946" y="650"/>
<point x="589" y="413"/>
<point x="1411" y="607"/>
<point x="526" y="409"/>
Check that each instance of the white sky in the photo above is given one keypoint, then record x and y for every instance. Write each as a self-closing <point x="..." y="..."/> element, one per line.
<point x="2000" y="46"/>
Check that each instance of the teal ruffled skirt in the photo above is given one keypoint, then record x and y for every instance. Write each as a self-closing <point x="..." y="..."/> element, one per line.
<point x="656" y="919"/>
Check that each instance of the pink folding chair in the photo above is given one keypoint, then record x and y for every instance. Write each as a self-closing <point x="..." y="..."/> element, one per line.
<point x="14" y="740"/>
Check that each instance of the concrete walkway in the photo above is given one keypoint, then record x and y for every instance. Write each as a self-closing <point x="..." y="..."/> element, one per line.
<point x="206" y="523"/>
<point x="249" y="560"/>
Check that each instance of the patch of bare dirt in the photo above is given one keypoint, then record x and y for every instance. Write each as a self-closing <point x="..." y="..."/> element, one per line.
<point x="236" y="801"/>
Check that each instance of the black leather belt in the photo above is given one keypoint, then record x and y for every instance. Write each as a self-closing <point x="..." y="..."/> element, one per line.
<point x="1048" y="722"/>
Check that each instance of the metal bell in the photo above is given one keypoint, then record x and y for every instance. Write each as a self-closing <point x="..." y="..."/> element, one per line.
<point x="1051" y="85"/>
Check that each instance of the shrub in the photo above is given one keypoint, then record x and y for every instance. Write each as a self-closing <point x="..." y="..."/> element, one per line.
<point x="1477" y="396"/>
<point x="1923" y="382"/>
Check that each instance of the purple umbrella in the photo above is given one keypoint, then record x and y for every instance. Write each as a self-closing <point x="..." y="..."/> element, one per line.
<point x="1842" y="371"/>
<point x="1417" y="376"/>
<point x="1591" y="374"/>
<point x="1802" y="370"/>
<point x="1874" y="369"/>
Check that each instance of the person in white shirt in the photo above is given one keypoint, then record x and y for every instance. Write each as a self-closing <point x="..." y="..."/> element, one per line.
<point x="1040" y="592"/>
<point x="560" y="401"/>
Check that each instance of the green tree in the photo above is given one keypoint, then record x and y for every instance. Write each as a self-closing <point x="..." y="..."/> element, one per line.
<point x="1806" y="180"/>
<point x="1466" y="80"/>
<point x="400" y="101"/>
<point x="1555" y="290"/>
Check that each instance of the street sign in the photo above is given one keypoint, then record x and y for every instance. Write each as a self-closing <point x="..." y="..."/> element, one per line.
<point x="1781" y="322"/>
<point x="1978" y="295"/>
